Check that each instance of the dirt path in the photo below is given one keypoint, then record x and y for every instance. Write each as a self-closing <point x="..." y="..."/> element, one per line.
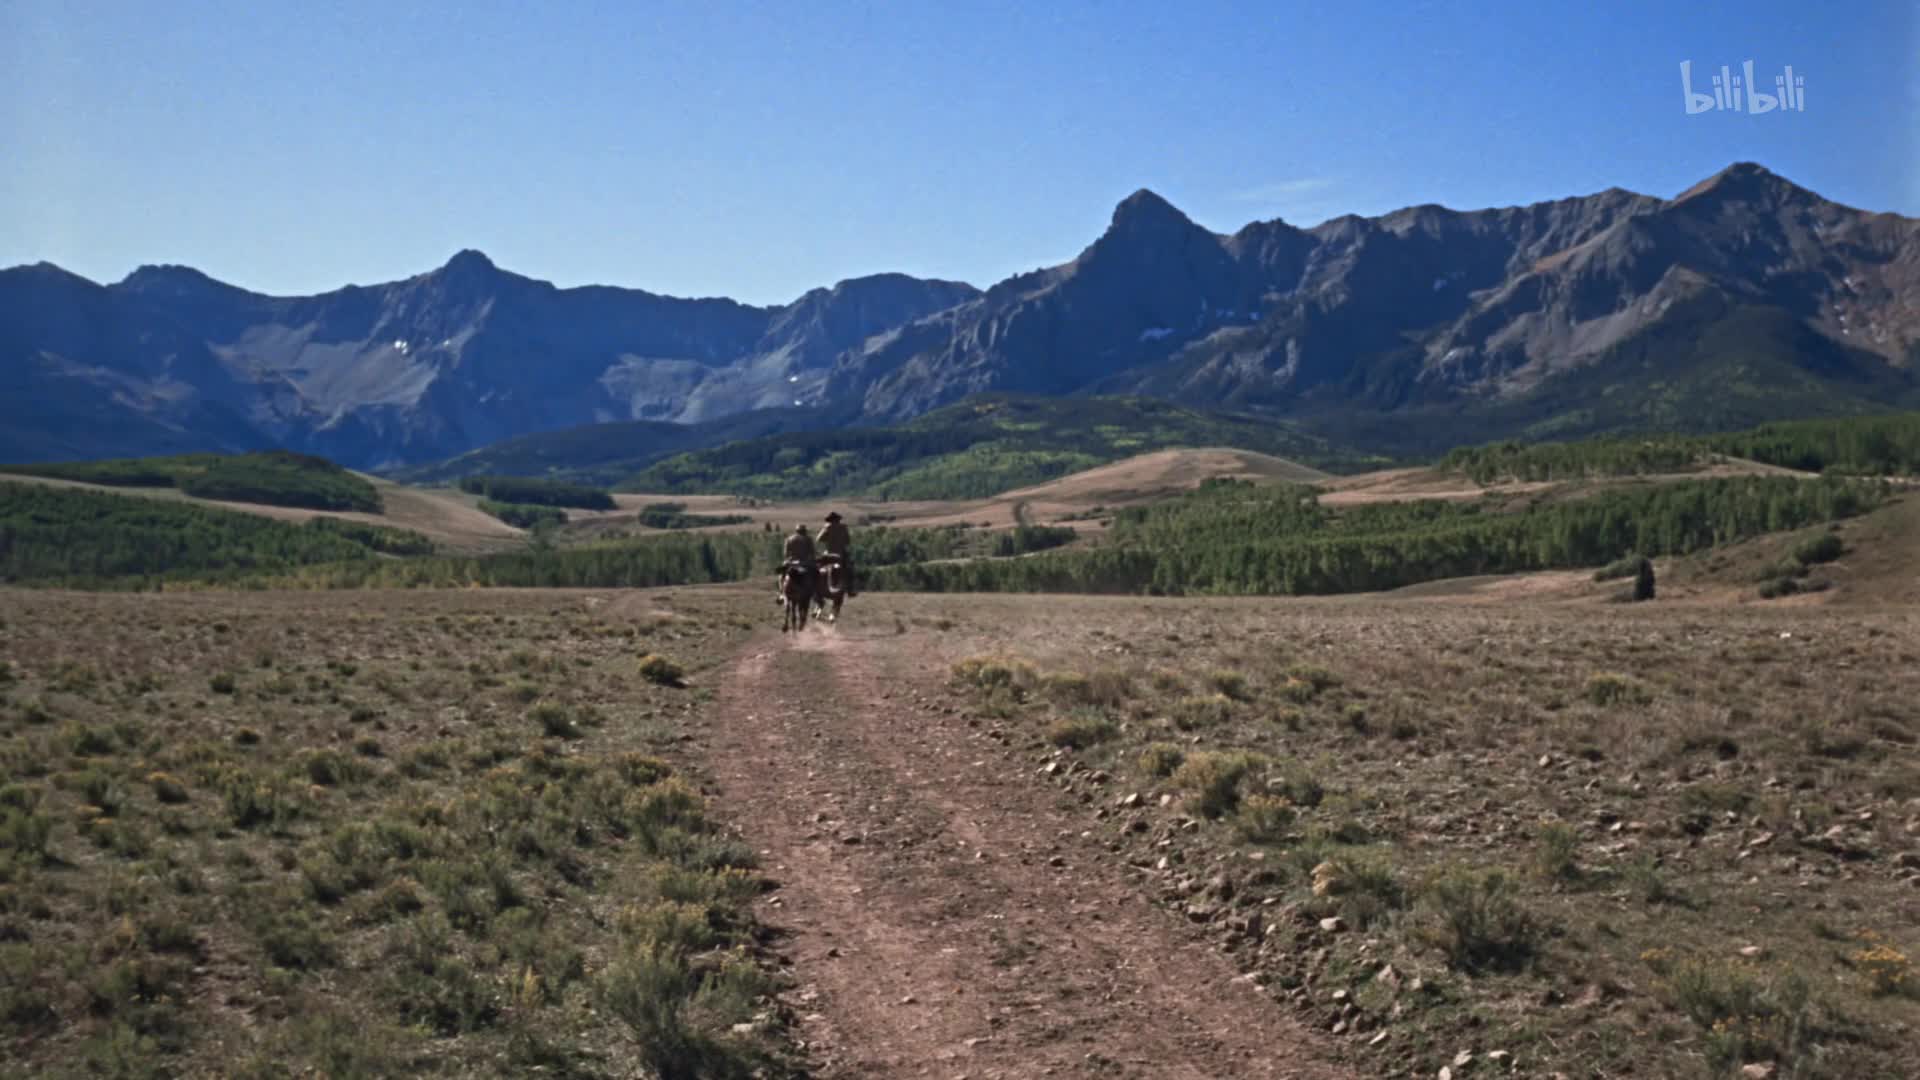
<point x="944" y="914"/>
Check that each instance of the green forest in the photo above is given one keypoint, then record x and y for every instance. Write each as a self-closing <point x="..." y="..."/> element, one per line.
<point x="1887" y="445"/>
<point x="527" y="491"/>
<point x="73" y="537"/>
<point x="672" y="515"/>
<point x="1235" y="538"/>
<point x="524" y="515"/>
<point x="271" y="478"/>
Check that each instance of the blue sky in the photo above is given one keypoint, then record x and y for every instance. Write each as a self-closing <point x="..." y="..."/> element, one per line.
<point x="742" y="149"/>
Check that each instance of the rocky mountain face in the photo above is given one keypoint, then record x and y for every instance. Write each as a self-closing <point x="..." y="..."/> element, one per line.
<point x="414" y="370"/>
<point x="1743" y="298"/>
<point x="1427" y="307"/>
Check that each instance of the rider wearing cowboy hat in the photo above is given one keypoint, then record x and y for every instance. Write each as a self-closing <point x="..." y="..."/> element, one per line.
<point x="835" y="540"/>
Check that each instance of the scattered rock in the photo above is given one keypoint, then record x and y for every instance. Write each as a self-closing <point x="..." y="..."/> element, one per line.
<point x="1221" y="886"/>
<point x="1753" y="952"/>
<point x="1759" y="1070"/>
<point x="1463" y="1059"/>
<point x="1129" y="802"/>
<point x="1333" y="925"/>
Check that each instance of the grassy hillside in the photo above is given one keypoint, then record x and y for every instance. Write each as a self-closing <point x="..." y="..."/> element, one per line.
<point x="241" y="801"/>
<point x="980" y="447"/>
<point x="271" y="478"/>
<point x="73" y="536"/>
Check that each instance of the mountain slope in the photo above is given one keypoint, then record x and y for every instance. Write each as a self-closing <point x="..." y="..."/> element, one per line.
<point x="1444" y="312"/>
<point x="440" y="363"/>
<point x="1744" y="297"/>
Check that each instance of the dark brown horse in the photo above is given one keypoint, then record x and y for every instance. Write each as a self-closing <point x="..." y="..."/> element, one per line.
<point x="796" y="595"/>
<point x="830" y="588"/>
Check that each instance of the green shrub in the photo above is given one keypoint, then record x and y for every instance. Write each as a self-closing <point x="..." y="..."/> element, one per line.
<point x="1230" y="684"/>
<point x="554" y="720"/>
<point x="1202" y="710"/>
<point x="1557" y="854"/>
<point x="166" y="789"/>
<point x="1477" y="921"/>
<point x="1824" y="548"/>
<point x="1212" y="779"/>
<point x="1264" y="819"/>
<point x="1082" y="729"/>
<point x="1624" y="567"/>
<point x="658" y="669"/>
<point x="1607" y="688"/>
<point x="1161" y="759"/>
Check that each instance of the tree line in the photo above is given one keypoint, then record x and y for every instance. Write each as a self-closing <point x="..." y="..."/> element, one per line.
<point x="1232" y="538"/>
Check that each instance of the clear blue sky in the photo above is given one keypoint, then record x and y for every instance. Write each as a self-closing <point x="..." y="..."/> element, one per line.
<point x="747" y="150"/>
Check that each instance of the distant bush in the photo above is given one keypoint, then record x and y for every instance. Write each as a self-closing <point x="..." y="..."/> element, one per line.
<point x="1624" y="567"/>
<point x="1821" y="549"/>
<point x="1607" y="688"/>
<point x="1080" y="730"/>
<point x="658" y="669"/>
<point x="528" y="491"/>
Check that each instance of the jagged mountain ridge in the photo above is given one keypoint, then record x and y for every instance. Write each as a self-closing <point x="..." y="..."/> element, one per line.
<point x="420" y="369"/>
<point x="1743" y="298"/>
<point x="1420" y="307"/>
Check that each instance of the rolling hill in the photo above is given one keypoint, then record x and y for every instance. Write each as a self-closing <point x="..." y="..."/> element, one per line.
<point x="977" y="448"/>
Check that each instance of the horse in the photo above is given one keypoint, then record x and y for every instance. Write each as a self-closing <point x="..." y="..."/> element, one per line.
<point x="830" y="588"/>
<point x="796" y="595"/>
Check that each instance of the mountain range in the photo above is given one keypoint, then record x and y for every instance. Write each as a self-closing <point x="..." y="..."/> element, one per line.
<point x="1743" y="298"/>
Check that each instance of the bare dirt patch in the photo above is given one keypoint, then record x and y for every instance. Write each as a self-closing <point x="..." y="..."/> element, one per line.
<point x="946" y="914"/>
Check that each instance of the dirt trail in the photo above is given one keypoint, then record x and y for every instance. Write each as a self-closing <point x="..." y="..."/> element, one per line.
<point x="943" y="912"/>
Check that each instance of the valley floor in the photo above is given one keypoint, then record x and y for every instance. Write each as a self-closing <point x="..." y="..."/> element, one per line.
<point x="1005" y="835"/>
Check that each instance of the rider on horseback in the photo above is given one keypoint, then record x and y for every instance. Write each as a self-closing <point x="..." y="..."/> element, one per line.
<point x="799" y="551"/>
<point x="837" y="542"/>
